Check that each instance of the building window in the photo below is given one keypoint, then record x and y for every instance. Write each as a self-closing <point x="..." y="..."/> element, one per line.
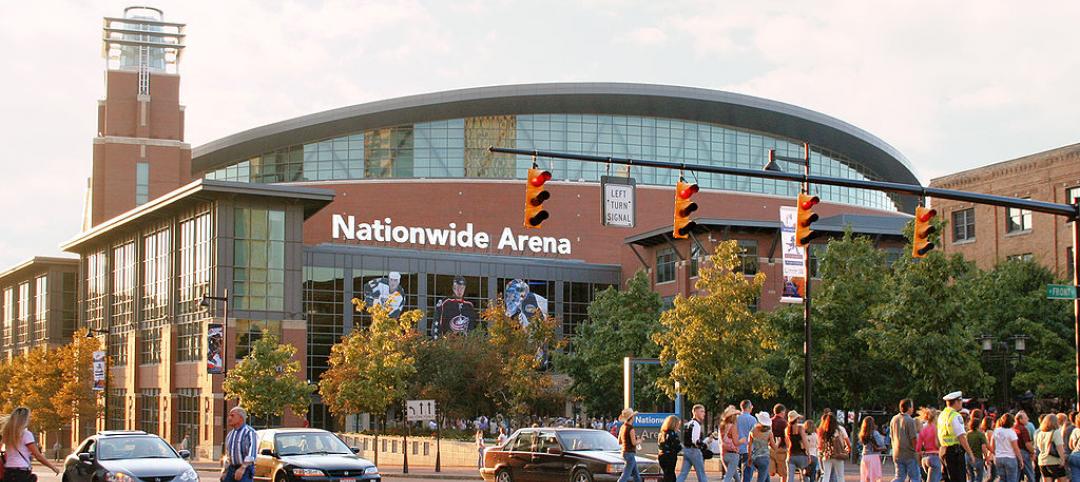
<point x="96" y="294"/>
<point x="155" y="294"/>
<point x="325" y="305"/>
<point x="117" y="414"/>
<point x="148" y="410"/>
<point x="1017" y="220"/>
<point x="817" y="251"/>
<point x="388" y="152"/>
<point x="23" y="331"/>
<point x="892" y="255"/>
<point x="748" y="257"/>
<point x="259" y="259"/>
<point x="9" y="317"/>
<point x="69" y="295"/>
<point x="195" y="250"/>
<point x="1069" y="262"/>
<point x="665" y="265"/>
<point x="142" y="183"/>
<point x="963" y="222"/>
<point x="697" y="256"/>
<point x="248" y="332"/>
<point x="123" y="301"/>
<point x="1072" y="195"/>
<point x="576" y="299"/>
<point x="1020" y="257"/>
<point x="41" y="307"/>
<point x="187" y="415"/>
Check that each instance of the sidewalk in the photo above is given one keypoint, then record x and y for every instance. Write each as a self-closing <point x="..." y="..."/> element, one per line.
<point x="388" y="471"/>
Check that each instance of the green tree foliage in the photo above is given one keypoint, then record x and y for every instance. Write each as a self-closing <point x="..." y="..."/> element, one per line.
<point x="1009" y="300"/>
<point x="265" y="382"/>
<point x="921" y="325"/>
<point x="522" y="388"/>
<point x="846" y="371"/>
<point x="620" y="324"/>
<point x="716" y="340"/>
<point x="456" y="371"/>
<point x="369" y="368"/>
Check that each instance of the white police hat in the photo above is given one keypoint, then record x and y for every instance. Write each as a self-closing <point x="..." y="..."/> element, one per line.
<point x="952" y="396"/>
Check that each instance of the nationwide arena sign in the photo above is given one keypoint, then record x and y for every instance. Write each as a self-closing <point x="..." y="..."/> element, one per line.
<point x="384" y="230"/>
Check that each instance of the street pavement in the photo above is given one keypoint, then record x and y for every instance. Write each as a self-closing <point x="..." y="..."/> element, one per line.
<point x="209" y="473"/>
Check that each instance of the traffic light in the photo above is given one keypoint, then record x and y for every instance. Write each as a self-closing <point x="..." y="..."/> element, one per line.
<point x="683" y="208"/>
<point x="920" y="244"/>
<point x="803" y="233"/>
<point x="535" y="195"/>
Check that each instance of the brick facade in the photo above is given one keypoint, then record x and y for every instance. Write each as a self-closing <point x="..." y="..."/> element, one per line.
<point x="1045" y="176"/>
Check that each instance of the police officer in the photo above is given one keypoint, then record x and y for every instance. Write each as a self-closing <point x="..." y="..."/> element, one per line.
<point x="952" y="439"/>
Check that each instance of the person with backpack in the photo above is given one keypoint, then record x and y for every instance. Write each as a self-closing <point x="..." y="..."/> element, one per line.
<point x="1051" y="446"/>
<point x="693" y="434"/>
<point x="835" y="447"/>
<point x="20" y="447"/>
<point x="669" y="446"/>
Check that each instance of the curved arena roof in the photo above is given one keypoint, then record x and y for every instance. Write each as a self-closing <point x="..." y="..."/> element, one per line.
<point x="687" y="103"/>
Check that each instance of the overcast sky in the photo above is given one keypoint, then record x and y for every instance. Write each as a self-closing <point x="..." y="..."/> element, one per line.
<point x="952" y="85"/>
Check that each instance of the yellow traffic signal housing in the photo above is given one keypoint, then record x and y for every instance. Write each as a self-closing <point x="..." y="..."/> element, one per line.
<point x="535" y="195"/>
<point x="803" y="233"/>
<point x="920" y="243"/>
<point x="683" y="208"/>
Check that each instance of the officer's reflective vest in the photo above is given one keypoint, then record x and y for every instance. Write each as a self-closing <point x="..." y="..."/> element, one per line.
<point x="945" y="434"/>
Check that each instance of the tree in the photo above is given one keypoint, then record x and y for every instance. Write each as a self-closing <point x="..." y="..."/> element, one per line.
<point x="369" y="368"/>
<point x="620" y="324"/>
<point x="265" y="382"/>
<point x="921" y="325"/>
<point x="75" y="397"/>
<point x="34" y="379"/>
<point x="846" y="371"/>
<point x="1010" y="299"/>
<point x="456" y="371"/>
<point x="519" y="351"/>
<point x="715" y="339"/>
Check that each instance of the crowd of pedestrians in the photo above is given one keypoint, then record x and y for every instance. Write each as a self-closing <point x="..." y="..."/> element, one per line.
<point x="951" y="444"/>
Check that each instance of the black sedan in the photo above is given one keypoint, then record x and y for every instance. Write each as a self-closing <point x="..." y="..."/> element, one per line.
<point x="561" y="454"/>
<point x="309" y="455"/>
<point x="127" y="456"/>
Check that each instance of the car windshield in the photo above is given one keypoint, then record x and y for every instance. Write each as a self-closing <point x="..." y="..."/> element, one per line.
<point x="588" y="440"/>
<point x="308" y="443"/>
<point x="114" y="448"/>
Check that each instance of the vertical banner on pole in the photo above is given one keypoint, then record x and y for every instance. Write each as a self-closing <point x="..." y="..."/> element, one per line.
<point x="215" y="339"/>
<point x="793" y="257"/>
<point x="98" y="369"/>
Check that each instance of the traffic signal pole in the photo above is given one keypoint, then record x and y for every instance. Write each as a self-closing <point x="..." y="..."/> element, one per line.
<point x="1069" y="211"/>
<point x="808" y="388"/>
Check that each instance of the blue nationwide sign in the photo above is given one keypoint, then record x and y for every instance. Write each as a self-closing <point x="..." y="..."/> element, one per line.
<point x="650" y="419"/>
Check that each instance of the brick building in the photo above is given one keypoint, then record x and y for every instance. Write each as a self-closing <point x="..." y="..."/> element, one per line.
<point x="989" y="235"/>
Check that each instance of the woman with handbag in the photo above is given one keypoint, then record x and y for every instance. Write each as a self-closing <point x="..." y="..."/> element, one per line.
<point x="835" y="447"/>
<point x="668" y="443"/>
<point x="20" y="447"/>
<point x="729" y="442"/>
<point x="1051" y="446"/>
<point x="873" y="443"/>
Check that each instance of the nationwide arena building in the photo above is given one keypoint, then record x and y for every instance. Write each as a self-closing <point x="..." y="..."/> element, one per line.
<point x="399" y="201"/>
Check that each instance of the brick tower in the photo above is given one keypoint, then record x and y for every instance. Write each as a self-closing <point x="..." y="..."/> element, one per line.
<point x="139" y="151"/>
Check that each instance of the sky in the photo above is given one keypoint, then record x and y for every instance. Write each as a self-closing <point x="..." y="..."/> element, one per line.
<point x="952" y="85"/>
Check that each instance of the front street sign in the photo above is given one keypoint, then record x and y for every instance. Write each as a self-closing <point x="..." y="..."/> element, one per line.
<point x="1060" y="292"/>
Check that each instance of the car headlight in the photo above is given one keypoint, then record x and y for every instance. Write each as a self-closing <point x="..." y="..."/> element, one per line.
<point x="615" y="468"/>
<point x="119" y="477"/>
<point x="308" y="473"/>
<point x="189" y="475"/>
<point x="371" y="470"/>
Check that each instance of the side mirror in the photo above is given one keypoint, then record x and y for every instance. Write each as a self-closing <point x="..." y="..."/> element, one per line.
<point x="267" y="452"/>
<point x="554" y="451"/>
<point x="185" y="454"/>
<point x="355" y="450"/>
<point x="86" y="457"/>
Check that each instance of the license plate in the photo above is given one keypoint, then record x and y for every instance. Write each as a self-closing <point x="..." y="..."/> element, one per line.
<point x="347" y="480"/>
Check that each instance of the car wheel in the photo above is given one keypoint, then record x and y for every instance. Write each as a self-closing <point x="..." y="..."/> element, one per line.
<point x="581" y="475"/>
<point x="503" y="476"/>
<point x="279" y="477"/>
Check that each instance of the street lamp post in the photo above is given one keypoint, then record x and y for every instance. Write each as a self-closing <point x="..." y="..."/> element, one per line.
<point x="807" y="381"/>
<point x="205" y="303"/>
<point x="91" y="333"/>
<point x="994" y="349"/>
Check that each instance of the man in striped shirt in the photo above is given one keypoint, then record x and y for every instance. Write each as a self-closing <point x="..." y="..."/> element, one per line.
<point x="240" y="447"/>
